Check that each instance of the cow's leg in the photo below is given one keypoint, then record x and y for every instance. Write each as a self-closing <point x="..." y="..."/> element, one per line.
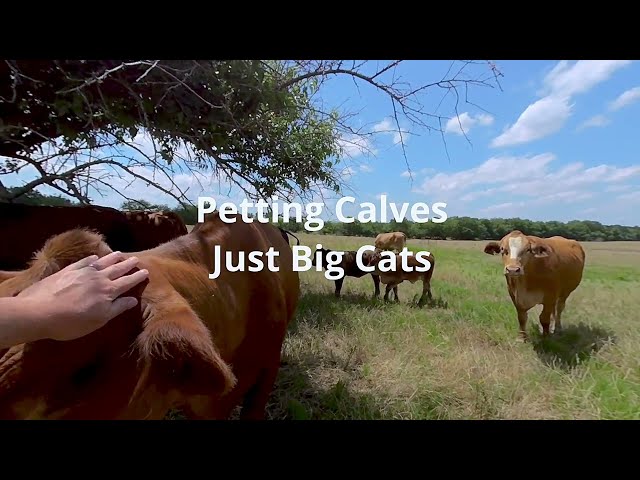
<point x="558" y="313"/>
<point x="339" y="286"/>
<point x="545" y="317"/>
<point x="376" y="285"/>
<point x="395" y="293"/>
<point x="523" y="316"/>
<point x="255" y="400"/>
<point x="426" y="290"/>
<point x="387" y="290"/>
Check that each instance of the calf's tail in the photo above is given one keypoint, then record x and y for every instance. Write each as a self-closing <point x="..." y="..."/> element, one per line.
<point x="285" y="233"/>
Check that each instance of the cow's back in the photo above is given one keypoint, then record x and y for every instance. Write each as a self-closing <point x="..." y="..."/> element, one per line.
<point x="25" y="228"/>
<point x="568" y="261"/>
<point x="151" y="229"/>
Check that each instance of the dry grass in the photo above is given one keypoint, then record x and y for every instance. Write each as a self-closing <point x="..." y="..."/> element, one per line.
<point x="356" y="358"/>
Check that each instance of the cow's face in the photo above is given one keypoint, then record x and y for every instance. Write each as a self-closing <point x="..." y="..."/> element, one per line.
<point x="367" y="255"/>
<point x="374" y="257"/>
<point x="517" y="251"/>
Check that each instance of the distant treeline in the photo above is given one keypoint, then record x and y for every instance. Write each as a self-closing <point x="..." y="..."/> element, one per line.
<point x="467" y="228"/>
<point x="454" y="228"/>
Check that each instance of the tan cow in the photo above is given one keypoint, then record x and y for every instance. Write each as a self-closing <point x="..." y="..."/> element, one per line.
<point x="539" y="271"/>
<point x="391" y="241"/>
<point x="200" y="345"/>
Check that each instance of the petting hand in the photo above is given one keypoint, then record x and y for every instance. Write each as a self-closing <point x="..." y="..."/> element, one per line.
<point x="83" y="296"/>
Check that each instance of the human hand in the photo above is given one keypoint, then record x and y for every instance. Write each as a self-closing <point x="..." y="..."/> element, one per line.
<point x="83" y="296"/>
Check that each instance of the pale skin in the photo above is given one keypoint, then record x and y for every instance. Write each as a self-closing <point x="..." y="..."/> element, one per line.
<point x="71" y="303"/>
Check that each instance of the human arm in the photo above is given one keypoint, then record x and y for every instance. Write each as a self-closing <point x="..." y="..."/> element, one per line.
<point x="70" y="303"/>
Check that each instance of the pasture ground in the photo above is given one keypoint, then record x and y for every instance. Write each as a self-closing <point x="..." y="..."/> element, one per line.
<point x="357" y="358"/>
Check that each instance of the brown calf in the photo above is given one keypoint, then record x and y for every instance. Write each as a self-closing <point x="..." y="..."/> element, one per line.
<point x="396" y="274"/>
<point x="200" y="345"/>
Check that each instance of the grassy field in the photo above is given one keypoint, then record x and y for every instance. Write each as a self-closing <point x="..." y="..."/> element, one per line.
<point x="356" y="358"/>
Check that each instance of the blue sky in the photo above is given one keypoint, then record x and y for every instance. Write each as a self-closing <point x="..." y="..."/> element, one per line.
<point x="559" y="142"/>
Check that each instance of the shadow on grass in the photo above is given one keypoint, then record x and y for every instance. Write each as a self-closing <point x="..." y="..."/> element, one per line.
<point x="435" y="302"/>
<point x="297" y="397"/>
<point x="324" y="387"/>
<point x="325" y="310"/>
<point x="571" y="346"/>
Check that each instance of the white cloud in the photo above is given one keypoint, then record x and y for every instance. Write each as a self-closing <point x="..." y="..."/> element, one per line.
<point x="388" y="127"/>
<point x="625" y="99"/>
<point x="422" y="171"/>
<point x="540" y="119"/>
<point x="355" y="145"/>
<point x="365" y="168"/>
<point x="400" y="136"/>
<point x="548" y="115"/>
<point x="502" y="208"/>
<point x="580" y="77"/>
<point x="385" y="126"/>
<point x="629" y="197"/>
<point x="618" y="188"/>
<point x="463" y="123"/>
<point x="514" y="209"/>
<point x="348" y="172"/>
<point x="527" y="181"/>
<point x="595" y="121"/>
<point x="493" y="171"/>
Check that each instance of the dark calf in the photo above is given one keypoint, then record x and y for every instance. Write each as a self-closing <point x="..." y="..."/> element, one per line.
<point x="350" y="267"/>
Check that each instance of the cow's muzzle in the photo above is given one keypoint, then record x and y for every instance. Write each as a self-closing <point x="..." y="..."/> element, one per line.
<point x="513" y="271"/>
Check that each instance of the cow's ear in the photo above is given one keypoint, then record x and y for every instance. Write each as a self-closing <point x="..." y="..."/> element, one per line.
<point x="540" y="250"/>
<point x="492" y="248"/>
<point x="178" y="354"/>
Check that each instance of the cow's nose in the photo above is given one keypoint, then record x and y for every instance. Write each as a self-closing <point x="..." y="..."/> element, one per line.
<point x="513" y="270"/>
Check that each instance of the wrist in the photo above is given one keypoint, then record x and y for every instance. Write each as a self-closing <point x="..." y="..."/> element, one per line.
<point x="21" y="321"/>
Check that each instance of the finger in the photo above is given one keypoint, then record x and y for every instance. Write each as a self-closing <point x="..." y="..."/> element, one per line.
<point x="108" y="260"/>
<point x="121" y="305"/>
<point x="127" y="282"/>
<point x="81" y="263"/>
<point x="119" y="269"/>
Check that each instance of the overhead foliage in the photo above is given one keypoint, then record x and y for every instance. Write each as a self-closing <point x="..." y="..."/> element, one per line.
<point x="257" y="124"/>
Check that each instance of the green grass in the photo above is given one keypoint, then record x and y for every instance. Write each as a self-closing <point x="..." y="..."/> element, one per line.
<point x="356" y="358"/>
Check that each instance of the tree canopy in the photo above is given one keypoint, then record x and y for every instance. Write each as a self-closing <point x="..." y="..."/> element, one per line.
<point x="257" y="124"/>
